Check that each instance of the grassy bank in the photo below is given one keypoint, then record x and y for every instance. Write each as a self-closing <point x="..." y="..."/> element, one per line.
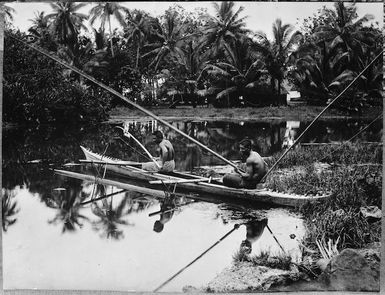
<point x="295" y="113"/>
<point x="351" y="174"/>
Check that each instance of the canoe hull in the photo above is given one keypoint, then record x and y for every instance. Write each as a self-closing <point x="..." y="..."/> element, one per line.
<point x="253" y="195"/>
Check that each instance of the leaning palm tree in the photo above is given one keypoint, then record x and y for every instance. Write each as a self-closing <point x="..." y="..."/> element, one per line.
<point x="277" y="52"/>
<point x="104" y="11"/>
<point x="66" y="22"/>
<point x="224" y="28"/>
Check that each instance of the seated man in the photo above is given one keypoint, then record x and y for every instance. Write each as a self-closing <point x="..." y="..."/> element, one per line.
<point x="255" y="167"/>
<point x="166" y="152"/>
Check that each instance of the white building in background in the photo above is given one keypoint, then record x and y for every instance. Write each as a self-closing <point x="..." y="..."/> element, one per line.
<point x="293" y="95"/>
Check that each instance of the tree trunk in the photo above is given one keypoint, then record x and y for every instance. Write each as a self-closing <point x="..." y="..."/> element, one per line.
<point x="112" y="46"/>
<point x="137" y="56"/>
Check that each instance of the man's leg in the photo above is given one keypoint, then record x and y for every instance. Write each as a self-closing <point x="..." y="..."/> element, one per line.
<point x="150" y="166"/>
<point x="233" y="180"/>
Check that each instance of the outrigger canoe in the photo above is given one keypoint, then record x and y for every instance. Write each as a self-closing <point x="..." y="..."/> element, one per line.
<point x="195" y="184"/>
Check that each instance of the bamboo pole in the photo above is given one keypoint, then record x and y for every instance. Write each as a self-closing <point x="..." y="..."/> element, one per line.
<point x="176" y="181"/>
<point x="320" y="114"/>
<point x="114" y="92"/>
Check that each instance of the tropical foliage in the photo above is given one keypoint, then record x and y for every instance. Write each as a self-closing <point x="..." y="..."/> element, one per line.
<point x="185" y="56"/>
<point x="336" y="48"/>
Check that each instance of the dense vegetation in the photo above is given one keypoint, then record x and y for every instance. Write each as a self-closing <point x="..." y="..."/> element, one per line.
<point x="192" y="56"/>
<point x="352" y="175"/>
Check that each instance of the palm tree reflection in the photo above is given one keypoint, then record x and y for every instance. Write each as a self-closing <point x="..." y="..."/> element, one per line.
<point x="67" y="202"/>
<point x="9" y="209"/>
<point x="110" y="216"/>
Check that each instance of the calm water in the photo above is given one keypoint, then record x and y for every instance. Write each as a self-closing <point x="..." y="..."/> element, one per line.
<point x="50" y="241"/>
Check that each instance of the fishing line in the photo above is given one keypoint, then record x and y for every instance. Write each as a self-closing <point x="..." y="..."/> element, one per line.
<point x="236" y="226"/>
<point x="320" y="114"/>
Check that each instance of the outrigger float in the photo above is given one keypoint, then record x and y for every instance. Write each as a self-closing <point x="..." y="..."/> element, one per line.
<point x="151" y="182"/>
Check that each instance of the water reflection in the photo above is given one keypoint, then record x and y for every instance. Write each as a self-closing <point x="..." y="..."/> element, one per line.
<point x="168" y="207"/>
<point x="254" y="230"/>
<point x="38" y="203"/>
<point x="9" y="208"/>
<point x="109" y="218"/>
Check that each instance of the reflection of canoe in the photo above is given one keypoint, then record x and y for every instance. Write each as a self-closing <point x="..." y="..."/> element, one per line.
<point x="260" y="195"/>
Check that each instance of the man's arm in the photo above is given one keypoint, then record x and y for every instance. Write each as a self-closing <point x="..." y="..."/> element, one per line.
<point x="258" y="168"/>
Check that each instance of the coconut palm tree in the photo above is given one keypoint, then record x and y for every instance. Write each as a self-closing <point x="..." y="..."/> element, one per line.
<point x="104" y="11"/>
<point x="66" y="22"/>
<point x="319" y="72"/>
<point x="170" y="35"/>
<point x="238" y="74"/>
<point x="187" y="65"/>
<point x="277" y="52"/>
<point x="223" y="28"/>
<point x="8" y="12"/>
<point x="40" y="22"/>
<point x="345" y="32"/>
<point x="138" y="28"/>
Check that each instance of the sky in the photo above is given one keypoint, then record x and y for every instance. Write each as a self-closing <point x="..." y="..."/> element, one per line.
<point x="260" y="15"/>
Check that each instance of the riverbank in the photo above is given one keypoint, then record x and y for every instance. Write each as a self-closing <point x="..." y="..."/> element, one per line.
<point x="281" y="113"/>
<point x="343" y="233"/>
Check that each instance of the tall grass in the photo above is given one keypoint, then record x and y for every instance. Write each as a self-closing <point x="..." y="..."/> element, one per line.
<point x="345" y="154"/>
<point x="351" y="186"/>
<point x="265" y="258"/>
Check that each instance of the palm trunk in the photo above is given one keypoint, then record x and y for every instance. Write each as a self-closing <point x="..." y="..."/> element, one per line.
<point x="112" y="46"/>
<point x="137" y="56"/>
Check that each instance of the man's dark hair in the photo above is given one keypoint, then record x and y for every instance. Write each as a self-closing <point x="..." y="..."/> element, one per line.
<point x="158" y="134"/>
<point x="246" y="142"/>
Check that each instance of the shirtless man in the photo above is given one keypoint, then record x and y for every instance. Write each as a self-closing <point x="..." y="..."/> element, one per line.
<point x="166" y="152"/>
<point x="255" y="168"/>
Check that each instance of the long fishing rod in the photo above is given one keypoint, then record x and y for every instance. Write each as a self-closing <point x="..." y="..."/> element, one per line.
<point x="236" y="226"/>
<point x="129" y="135"/>
<point x="320" y="114"/>
<point x="114" y="92"/>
